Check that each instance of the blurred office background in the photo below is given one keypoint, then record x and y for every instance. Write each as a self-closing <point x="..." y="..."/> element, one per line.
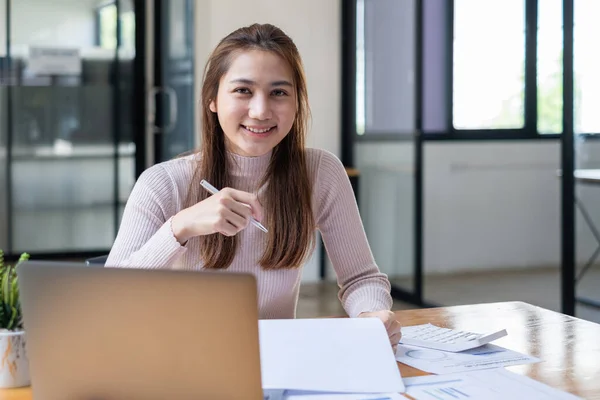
<point x="450" y="111"/>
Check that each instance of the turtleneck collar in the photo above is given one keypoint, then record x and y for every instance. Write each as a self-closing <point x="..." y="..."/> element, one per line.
<point x="252" y="168"/>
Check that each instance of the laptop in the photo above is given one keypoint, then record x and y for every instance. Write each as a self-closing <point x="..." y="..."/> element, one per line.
<point x="112" y="333"/>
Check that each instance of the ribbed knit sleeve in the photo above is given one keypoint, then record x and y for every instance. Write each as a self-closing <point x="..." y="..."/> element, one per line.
<point x="145" y="238"/>
<point x="363" y="287"/>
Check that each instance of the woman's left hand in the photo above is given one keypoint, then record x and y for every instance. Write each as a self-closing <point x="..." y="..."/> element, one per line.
<point x="392" y="326"/>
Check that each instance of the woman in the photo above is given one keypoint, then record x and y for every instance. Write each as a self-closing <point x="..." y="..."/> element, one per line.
<point x="255" y="113"/>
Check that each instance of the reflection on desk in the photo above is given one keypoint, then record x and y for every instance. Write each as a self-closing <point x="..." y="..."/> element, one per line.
<point x="568" y="346"/>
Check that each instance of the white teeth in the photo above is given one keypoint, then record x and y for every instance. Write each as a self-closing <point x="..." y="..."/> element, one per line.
<point x="258" y="130"/>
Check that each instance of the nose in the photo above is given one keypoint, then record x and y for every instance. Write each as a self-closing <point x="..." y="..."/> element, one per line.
<point x="260" y="108"/>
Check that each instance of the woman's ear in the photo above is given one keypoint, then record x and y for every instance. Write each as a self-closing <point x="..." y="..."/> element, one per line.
<point x="213" y="106"/>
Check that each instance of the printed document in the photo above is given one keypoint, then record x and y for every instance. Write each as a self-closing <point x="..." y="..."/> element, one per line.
<point x="443" y="362"/>
<point x="489" y="384"/>
<point x="343" y="396"/>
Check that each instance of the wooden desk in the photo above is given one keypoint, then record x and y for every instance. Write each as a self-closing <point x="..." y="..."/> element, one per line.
<point x="568" y="347"/>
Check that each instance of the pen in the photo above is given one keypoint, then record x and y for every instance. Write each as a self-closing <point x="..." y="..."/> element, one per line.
<point x="214" y="190"/>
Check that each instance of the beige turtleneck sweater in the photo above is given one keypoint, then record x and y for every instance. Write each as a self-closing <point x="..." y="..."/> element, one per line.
<point x="145" y="238"/>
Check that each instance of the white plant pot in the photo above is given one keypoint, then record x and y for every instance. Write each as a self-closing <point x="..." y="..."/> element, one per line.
<point x="14" y="364"/>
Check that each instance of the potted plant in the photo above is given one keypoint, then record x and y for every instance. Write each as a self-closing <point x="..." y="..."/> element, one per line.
<point x="14" y="364"/>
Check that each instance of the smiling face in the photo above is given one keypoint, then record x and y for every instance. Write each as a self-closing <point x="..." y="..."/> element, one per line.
<point x="256" y="102"/>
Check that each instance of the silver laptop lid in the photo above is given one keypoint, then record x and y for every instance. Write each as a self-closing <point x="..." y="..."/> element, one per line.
<point x="108" y="333"/>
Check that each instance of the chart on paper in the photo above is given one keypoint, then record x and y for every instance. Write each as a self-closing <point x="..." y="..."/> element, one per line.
<point x="441" y="362"/>
<point x="448" y="390"/>
<point x="488" y="384"/>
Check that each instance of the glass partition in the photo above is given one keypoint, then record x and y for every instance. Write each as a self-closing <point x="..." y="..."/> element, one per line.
<point x="69" y="128"/>
<point x="174" y="79"/>
<point x="385" y="106"/>
<point x="4" y="77"/>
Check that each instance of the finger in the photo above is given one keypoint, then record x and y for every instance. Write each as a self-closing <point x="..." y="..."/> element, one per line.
<point x="390" y="319"/>
<point x="227" y="229"/>
<point x="394" y="327"/>
<point x="395" y="338"/>
<point x="224" y="212"/>
<point x="240" y="209"/>
<point x="238" y="221"/>
<point x="395" y="348"/>
<point x="247" y="198"/>
<point x="227" y="223"/>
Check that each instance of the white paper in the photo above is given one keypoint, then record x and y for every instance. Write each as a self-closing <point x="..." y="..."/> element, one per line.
<point x="443" y="362"/>
<point x="340" y="355"/>
<point x="489" y="384"/>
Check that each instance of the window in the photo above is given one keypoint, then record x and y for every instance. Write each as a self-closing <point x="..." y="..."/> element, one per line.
<point x="107" y="27"/>
<point x="385" y="82"/>
<point x="586" y="66"/>
<point x="489" y="64"/>
<point x="473" y="69"/>
<point x="549" y="67"/>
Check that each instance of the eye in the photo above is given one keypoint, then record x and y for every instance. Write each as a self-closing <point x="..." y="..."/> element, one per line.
<point x="242" y="91"/>
<point x="279" y="93"/>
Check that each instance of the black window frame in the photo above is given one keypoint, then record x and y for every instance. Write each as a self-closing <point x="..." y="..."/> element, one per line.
<point x="528" y="132"/>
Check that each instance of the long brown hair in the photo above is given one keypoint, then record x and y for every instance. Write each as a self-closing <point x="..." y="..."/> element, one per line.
<point x="287" y="195"/>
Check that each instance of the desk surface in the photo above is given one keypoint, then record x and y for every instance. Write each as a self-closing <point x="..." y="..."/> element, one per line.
<point x="568" y="347"/>
<point x="587" y="175"/>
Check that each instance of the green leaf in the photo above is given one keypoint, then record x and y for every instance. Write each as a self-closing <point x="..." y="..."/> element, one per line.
<point x="14" y="292"/>
<point x="22" y="258"/>
<point x="13" y="318"/>
<point x="5" y="281"/>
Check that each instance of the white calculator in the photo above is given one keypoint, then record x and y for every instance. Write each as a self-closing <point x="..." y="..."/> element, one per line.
<point x="435" y="337"/>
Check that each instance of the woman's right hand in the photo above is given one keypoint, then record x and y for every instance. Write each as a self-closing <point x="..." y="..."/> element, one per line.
<point x="226" y="212"/>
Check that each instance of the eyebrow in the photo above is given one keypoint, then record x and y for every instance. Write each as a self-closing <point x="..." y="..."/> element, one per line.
<point x="251" y="82"/>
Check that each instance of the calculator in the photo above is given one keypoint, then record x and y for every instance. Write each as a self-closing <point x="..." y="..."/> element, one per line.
<point x="438" y="338"/>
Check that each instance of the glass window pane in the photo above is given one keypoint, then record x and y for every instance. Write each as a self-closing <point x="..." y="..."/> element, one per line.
<point x="2" y="32"/>
<point x="586" y="64"/>
<point x="550" y="66"/>
<point x="3" y="165"/>
<point x="4" y="82"/>
<point x="107" y="18"/>
<point x="128" y="29"/>
<point x="489" y="64"/>
<point x="386" y="194"/>
<point x="385" y="41"/>
<point x="435" y="64"/>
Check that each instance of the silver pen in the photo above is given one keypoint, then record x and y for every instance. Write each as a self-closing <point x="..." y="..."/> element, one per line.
<point x="214" y="190"/>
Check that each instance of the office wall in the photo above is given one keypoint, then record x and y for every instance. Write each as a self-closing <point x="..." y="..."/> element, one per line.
<point x="491" y="205"/>
<point x="314" y="25"/>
